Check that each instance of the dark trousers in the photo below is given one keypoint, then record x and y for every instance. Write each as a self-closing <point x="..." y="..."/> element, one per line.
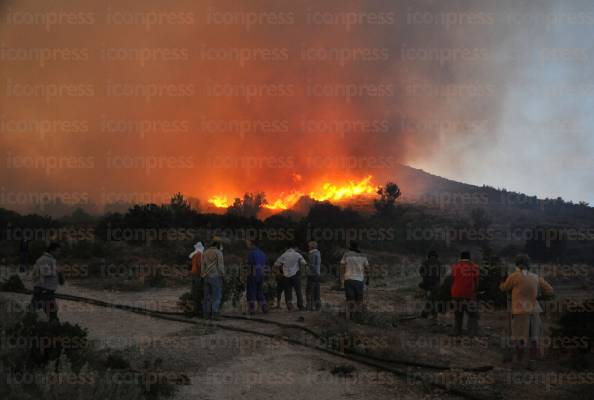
<point x="290" y="283"/>
<point x="312" y="293"/>
<point x="353" y="291"/>
<point x="280" y="287"/>
<point x="466" y="307"/>
<point x="213" y="290"/>
<point x="197" y="294"/>
<point x="255" y="292"/>
<point x="46" y="300"/>
<point x="433" y="305"/>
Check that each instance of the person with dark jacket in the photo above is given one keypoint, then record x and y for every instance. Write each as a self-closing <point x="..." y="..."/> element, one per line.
<point x="464" y="291"/>
<point x="46" y="279"/>
<point x="432" y="273"/>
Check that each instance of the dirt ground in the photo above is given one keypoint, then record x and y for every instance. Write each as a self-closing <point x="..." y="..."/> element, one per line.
<point x="223" y="364"/>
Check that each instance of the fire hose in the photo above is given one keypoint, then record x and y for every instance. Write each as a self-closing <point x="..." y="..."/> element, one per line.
<point x="351" y="355"/>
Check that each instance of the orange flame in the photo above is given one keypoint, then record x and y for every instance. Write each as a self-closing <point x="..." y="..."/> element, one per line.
<point x="219" y="201"/>
<point x="328" y="191"/>
<point x="350" y="190"/>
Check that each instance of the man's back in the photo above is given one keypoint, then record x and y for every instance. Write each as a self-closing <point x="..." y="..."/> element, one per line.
<point x="466" y="276"/>
<point x="290" y="260"/>
<point x="256" y="262"/>
<point x="431" y="272"/>
<point x="524" y="286"/>
<point x="315" y="262"/>
<point x="355" y="264"/>
<point x="212" y="263"/>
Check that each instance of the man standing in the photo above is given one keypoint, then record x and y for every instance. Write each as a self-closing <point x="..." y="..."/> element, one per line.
<point x="354" y="268"/>
<point x="212" y="270"/>
<point x="196" y="257"/>
<point x="431" y="272"/>
<point x="313" y="278"/>
<point x="290" y="262"/>
<point x="464" y="290"/>
<point x="255" y="277"/>
<point x="45" y="282"/>
<point x="526" y="326"/>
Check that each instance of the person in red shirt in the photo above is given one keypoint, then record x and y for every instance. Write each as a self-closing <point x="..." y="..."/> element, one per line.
<point x="464" y="289"/>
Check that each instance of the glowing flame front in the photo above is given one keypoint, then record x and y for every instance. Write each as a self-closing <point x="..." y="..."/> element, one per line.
<point x="219" y="201"/>
<point x="328" y="191"/>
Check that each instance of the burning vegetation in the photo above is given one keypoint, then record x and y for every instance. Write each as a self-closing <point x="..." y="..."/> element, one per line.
<point x="328" y="191"/>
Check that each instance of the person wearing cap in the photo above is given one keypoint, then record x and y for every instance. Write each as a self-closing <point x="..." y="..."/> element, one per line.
<point x="355" y="270"/>
<point x="212" y="271"/>
<point x="290" y="262"/>
<point x="526" y="326"/>
<point x="256" y="263"/>
<point x="46" y="279"/>
<point x="431" y="272"/>
<point x="465" y="275"/>
<point x="312" y="291"/>
<point x="196" y="257"/>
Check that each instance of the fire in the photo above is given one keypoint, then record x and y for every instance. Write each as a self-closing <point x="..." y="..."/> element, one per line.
<point x="284" y="202"/>
<point x="327" y="191"/>
<point x="219" y="201"/>
<point x="350" y="190"/>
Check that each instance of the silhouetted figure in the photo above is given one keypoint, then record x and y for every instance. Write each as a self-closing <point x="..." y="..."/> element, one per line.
<point x="432" y="273"/>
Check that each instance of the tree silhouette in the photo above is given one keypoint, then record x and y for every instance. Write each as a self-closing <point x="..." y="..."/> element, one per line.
<point x="249" y="206"/>
<point x="388" y="195"/>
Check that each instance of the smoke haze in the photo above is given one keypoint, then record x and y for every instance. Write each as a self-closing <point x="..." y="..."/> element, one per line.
<point x="138" y="100"/>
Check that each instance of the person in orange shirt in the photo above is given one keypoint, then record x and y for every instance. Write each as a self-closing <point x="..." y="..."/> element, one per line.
<point x="464" y="290"/>
<point x="196" y="257"/>
<point x="526" y="326"/>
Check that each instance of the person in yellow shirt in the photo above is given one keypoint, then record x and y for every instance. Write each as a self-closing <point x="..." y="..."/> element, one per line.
<point x="526" y="326"/>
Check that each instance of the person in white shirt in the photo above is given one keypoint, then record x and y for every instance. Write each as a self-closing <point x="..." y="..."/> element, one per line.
<point x="46" y="279"/>
<point x="290" y="262"/>
<point x="354" y="266"/>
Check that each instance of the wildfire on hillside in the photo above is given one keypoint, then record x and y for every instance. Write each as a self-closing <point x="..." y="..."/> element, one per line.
<point x="327" y="191"/>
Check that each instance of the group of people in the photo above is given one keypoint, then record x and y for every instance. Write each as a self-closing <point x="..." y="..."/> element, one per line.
<point x="208" y="271"/>
<point x="525" y="328"/>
